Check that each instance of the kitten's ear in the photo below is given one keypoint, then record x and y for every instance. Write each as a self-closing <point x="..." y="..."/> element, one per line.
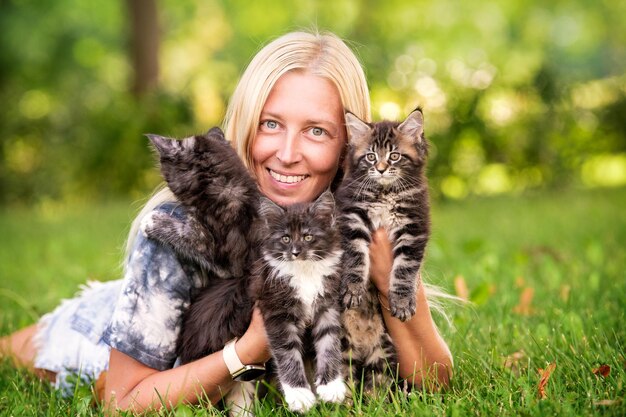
<point x="215" y="133"/>
<point x="413" y="126"/>
<point x="325" y="205"/>
<point x="162" y="144"/>
<point x="357" y="129"/>
<point x="270" y="210"/>
<point x="206" y="142"/>
<point x="171" y="146"/>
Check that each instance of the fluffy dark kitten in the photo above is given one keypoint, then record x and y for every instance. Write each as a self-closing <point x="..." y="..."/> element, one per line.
<point x="218" y="233"/>
<point x="384" y="187"/>
<point x="300" y="271"/>
<point x="209" y="180"/>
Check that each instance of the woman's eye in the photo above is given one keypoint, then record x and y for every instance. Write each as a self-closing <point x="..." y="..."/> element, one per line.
<point x="270" y="124"/>
<point x="286" y="239"/>
<point x="370" y="157"/>
<point x="394" y="156"/>
<point x="317" y="131"/>
<point x="308" y="238"/>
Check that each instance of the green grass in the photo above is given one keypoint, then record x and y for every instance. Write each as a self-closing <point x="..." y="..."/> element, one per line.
<point x="567" y="247"/>
<point x="48" y="251"/>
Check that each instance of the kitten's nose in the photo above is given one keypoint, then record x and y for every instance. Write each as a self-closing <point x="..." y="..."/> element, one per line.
<point x="295" y="252"/>
<point x="381" y="167"/>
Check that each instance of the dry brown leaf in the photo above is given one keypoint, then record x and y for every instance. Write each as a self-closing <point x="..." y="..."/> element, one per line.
<point x="460" y="286"/>
<point x="543" y="381"/>
<point x="602" y="370"/>
<point x="525" y="300"/>
<point x="606" y="402"/>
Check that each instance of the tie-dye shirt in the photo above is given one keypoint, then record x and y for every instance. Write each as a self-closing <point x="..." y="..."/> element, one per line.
<point x="156" y="291"/>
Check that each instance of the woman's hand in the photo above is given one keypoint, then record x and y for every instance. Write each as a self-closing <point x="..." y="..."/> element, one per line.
<point x="253" y="346"/>
<point x="423" y="355"/>
<point x="381" y="260"/>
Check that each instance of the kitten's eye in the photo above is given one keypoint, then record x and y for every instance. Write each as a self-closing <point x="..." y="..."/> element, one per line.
<point x="308" y="238"/>
<point x="285" y="239"/>
<point x="370" y="157"/>
<point x="395" y="156"/>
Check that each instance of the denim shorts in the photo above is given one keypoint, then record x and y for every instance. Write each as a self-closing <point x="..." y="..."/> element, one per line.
<point x="69" y="339"/>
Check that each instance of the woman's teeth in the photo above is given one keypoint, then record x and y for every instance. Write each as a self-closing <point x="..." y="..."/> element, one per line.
<point x="288" y="179"/>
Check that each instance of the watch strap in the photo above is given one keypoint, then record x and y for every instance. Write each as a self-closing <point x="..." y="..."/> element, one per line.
<point x="233" y="363"/>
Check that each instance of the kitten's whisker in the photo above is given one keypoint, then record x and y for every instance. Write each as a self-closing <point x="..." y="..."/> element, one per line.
<point x="317" y="257"/>
<point x="364" y="184"/>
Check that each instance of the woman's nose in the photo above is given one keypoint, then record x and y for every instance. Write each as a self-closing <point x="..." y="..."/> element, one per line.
<point x="288" y="151"/>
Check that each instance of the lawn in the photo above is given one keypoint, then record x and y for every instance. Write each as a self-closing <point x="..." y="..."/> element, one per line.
<point x="543" y="334"/>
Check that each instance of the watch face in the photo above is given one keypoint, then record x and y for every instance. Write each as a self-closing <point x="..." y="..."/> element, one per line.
<point x="249" y="373"/>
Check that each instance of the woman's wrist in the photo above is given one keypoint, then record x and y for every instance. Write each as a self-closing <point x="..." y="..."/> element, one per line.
<point x="250" y="353"/>
<point x="382" y="286"/>
<point x="243" y="352"/>
<point x="383" y="301"/>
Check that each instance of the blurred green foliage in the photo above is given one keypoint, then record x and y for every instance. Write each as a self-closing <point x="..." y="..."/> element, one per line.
<point x="517" y="94"/>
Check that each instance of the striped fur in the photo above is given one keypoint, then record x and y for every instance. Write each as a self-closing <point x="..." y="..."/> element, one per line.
<point x="384" y="187"/>
<point x="300" y="273"/>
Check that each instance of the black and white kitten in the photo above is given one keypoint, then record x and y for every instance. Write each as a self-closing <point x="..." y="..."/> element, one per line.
<point x="384" y="187"/>
<point x="296" y="288"/>
<point x="299" y="302"/>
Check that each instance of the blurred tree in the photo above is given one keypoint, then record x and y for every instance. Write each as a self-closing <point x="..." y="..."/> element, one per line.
<point x="144" y="44"/>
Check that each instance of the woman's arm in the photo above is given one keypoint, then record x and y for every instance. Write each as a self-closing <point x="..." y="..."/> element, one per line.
<point x="131" y="385"/>
<point x="423" y="354"/>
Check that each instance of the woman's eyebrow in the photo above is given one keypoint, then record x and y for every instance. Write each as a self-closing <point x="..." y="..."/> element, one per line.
<point x="321" y="121"/>
<point x="266" y="114"/>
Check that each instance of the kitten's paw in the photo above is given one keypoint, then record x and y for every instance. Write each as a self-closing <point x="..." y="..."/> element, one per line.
<point x="334" y="391"/>
<point x="353" y="295"/>
<point x="402" y="306"/>
<point x="299" y="399"/>
<point x="147" y="224"/>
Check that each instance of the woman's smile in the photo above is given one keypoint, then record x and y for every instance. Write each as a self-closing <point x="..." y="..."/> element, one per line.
<point x="287" y="178"/>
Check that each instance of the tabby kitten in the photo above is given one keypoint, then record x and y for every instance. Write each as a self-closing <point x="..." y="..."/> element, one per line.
<point x="384" y="187"/>
<point x="300" y="273"/>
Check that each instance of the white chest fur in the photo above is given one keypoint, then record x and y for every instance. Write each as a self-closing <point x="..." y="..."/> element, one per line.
<point x="307" y="277"/>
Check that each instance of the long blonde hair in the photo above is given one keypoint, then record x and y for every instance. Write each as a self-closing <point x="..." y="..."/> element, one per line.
<point x="321" y="54"/>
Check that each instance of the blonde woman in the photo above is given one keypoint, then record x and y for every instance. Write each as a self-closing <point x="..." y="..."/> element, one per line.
<point x="286" y="121"/>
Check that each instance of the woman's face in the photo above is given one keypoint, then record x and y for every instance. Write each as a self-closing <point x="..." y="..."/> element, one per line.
<point x="300" y="137"/>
